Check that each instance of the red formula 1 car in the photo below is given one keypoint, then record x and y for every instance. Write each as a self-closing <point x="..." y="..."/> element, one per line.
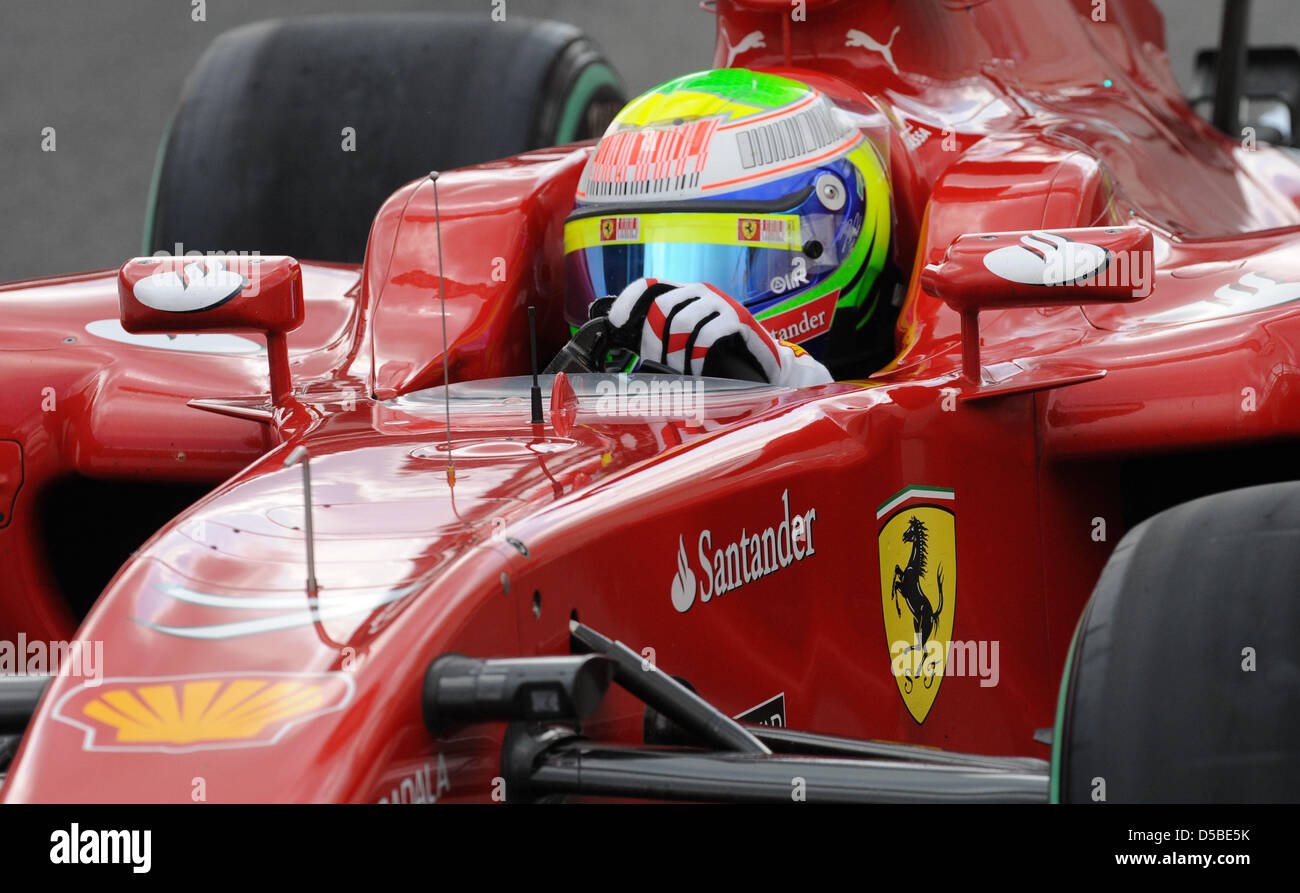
<point x="1050" y="551"/>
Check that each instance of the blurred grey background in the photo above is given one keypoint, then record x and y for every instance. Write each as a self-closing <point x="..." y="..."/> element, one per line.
<point x="106" y="75"/>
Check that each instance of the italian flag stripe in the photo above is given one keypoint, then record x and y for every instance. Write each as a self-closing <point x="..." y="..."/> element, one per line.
<point x="910" y="493"/>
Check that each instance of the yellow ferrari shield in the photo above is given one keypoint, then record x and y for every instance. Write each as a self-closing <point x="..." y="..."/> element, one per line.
<point x="918" y="590"/>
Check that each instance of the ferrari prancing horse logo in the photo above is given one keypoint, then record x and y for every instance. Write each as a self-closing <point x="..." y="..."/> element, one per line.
<point x="620" y="229"/>
<point x="918" y="589"/>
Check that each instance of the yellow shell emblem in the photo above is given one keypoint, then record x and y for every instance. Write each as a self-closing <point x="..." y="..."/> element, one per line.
<point x="193" y="713"/>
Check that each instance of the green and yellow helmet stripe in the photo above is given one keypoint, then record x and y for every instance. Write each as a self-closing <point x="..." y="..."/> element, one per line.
<point x="870" y="251"/>
<point x="734" y="92"/>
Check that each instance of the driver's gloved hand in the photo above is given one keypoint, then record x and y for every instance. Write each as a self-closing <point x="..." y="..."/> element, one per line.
<point x="695" y="329"/>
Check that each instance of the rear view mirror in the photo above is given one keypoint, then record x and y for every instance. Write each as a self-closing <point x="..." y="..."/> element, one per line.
<point x="206" y="294"/>
<point x="1042" y="268"/>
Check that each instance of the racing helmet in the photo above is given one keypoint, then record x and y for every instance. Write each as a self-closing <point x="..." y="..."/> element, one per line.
<point x="754" y="183"/>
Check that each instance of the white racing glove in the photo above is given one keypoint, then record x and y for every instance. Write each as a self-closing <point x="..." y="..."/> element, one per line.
<point x="695" y="329"/>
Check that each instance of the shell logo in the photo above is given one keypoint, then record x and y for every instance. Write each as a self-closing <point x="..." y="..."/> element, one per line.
<point x="185" y="713"/>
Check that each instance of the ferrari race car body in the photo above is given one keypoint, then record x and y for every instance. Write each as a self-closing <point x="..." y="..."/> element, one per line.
<point x="785" y="552"/>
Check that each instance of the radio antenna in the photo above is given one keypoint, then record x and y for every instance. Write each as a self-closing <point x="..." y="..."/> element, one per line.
<point x="532" y="347"/>
<point x="442" y="296"/>
<point x="299" y="455"/>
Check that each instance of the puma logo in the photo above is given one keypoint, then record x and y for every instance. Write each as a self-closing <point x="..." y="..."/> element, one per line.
<point x="752" y="41"/>
<point x="856" y="38"/>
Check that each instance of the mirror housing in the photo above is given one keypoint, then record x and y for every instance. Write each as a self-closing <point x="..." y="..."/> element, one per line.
<point x="217" y="294"/>
<point x="1039" y="268"/>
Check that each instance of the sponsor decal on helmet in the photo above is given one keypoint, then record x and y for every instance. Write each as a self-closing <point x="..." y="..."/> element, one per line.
<point x="648" y="161"/>
<point x="918" y="590"/>
<point x="711" y="131"/>
<point x="804" y="322"/>
<point x="796" y="278"/>
<point x="214" y="711"/>
<point x="620" y="229"/>
<point x="791" y="136"/>
<point x="762" y="229"/>
<point x="746" y="560"/>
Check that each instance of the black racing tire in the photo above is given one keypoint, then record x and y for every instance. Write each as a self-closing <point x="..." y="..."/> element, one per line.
<point x="254" y="159"/>
<point x="1158" y="702"/>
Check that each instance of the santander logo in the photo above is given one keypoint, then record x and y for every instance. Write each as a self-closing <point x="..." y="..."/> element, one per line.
<point x="203" y="285"/>
<point x="1044" y="258"/>
<point x="746" y="560"/>
<point x="805" y="322"/>
<point x="683" y="580"/>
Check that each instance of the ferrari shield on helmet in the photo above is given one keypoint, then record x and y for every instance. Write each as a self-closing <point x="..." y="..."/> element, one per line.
<point x="753" y="183"/>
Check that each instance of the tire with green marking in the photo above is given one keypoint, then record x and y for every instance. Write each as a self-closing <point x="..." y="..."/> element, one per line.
<point x="1183" y="682"/>
<point x="290" y="134"/>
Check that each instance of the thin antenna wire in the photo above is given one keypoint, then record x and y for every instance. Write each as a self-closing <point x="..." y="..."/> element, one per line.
<point x="446" y="375"/>
<point x="300" y="455"/>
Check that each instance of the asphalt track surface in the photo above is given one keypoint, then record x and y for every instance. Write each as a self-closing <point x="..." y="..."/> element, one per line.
<point x="106" y="75"/>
